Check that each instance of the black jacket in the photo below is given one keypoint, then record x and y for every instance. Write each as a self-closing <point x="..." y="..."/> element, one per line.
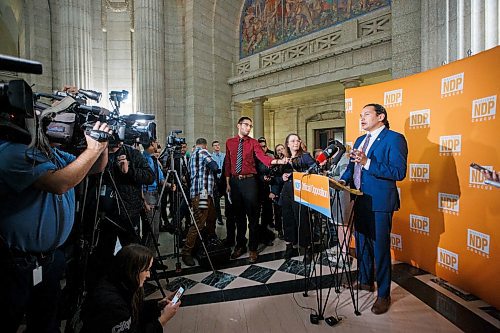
<point x="129" y="185"/>
<point x="108" y="310"/>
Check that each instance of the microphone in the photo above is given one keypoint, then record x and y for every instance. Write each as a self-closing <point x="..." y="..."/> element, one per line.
<point x="325" y="154"/>
<point x="340" y="152"/>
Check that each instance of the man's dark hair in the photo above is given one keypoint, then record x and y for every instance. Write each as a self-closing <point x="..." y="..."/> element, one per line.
<point x="214" y="142"/>
<point x="262" y="139"/>
<point x="379" y="109"/>
<point x="242" y="119"/>
<point x="201" y="141"/>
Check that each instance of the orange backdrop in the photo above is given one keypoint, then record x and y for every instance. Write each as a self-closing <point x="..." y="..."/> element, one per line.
<point x="449" y="221"/>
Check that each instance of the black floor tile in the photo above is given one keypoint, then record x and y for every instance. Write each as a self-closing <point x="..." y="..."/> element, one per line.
<point x="218" y="280"/>
<point x="257" y="273"/>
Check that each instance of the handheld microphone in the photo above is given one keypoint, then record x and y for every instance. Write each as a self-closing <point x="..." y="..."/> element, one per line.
<point x="340" y="152"/>
<point x="325" y="154"/>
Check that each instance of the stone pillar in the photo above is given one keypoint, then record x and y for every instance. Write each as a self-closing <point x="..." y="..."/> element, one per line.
<point x="235" y="115"/>
<point x="258" y="116"/>
<point x="406" y="38"/>
<point x="477" y="26"/>
<point x="149" y="47"/>
<point x="72" y="51"/>
<point x="491" y="24"/>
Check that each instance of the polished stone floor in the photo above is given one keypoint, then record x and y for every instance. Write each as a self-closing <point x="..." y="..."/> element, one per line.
<point x="269" y="296"/>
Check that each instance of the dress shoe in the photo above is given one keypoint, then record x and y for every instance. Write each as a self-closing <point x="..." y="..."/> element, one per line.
<point x="220" y="222"/>
<point x="364" y="286"/>
<point x="238" y="252"/>
<point x="188" y="260"/>
<point x="381" y="305"/>
<point x="252" y="257"/>
<point x="288" y="252"/>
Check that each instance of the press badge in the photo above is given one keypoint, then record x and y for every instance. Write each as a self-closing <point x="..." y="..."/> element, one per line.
<point x="103" y="190"/>
<point x="37" y="275"/>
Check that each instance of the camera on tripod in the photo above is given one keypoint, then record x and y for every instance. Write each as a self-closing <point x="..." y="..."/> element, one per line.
<point x="173" y="141"/>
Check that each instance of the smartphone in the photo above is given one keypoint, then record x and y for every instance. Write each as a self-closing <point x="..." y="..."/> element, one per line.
<point x="479" y="167"/>
<point x="178" y="295"/>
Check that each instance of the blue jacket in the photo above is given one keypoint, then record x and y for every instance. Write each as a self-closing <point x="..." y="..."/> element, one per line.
<point x="388" y="155"/>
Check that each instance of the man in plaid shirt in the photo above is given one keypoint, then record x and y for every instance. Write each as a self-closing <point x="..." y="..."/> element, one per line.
<point x="202" y="168"/>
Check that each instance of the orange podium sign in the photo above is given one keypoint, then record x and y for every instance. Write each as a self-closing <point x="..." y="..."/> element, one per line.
<point x="312" y="191"/>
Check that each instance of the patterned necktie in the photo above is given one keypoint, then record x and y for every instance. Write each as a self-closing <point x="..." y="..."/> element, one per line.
<point x="239" y="156"/>
<point x="358" y="167"/>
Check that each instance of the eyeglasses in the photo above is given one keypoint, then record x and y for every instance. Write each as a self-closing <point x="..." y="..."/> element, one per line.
<point x="247" y="124"/>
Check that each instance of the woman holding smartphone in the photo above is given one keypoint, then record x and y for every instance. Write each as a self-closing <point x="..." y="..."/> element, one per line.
<point x="117" y="303"/>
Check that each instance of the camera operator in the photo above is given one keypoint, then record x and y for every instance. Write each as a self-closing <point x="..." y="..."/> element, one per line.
<point x="120" y="205"/>
<point x="152" y="192"/>
<point x="37" y="208"/>
<point x="202" y="168"/>
<point x="179" y="208"/>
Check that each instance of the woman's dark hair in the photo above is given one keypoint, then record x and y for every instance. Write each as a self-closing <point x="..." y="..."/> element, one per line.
<point x="379" y="109"/>
<point x="288" y="152"/>
<point x="127" y="264"/>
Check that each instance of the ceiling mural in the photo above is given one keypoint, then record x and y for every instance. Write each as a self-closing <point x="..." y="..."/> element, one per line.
<point x="267" y="23"/>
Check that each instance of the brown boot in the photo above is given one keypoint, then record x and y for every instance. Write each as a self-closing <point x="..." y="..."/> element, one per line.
<point x="381" y="305"/>
<point x="252" y="257"/>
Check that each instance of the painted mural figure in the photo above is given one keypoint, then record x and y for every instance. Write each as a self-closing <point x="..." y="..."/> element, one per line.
<point x="267" y="23"/>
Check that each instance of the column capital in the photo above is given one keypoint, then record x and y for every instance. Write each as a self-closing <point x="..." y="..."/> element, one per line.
<point x="352" y="82"/>
<point x="261" y="99"/>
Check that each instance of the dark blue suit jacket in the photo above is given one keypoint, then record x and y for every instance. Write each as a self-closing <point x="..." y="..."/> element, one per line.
<point x="388" y="156"/>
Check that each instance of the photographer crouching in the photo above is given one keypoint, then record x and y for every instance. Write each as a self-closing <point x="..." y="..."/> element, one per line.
<point x="37" y="208"/>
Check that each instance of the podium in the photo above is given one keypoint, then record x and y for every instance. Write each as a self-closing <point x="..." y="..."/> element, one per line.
<point x="345" y="234"/>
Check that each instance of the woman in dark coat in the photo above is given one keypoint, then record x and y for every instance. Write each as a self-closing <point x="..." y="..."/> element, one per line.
<point x="296" y="217"/>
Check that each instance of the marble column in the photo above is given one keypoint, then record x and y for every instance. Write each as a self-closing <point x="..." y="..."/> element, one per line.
<point x="72" y="38"/>
<point x="258" y="116"/>
<point x="491" y="24"/>
<point x="235" y="115"/>
<point x="149" y="47"/>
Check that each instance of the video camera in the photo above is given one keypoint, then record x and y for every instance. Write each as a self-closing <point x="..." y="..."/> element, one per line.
<point x="68" y="128"/>
<point x="173" y="141"/>
<point x="16" y="105"/>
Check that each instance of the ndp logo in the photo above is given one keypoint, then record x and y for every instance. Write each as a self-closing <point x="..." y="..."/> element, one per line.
<point x="448" y="259"/>
<point x="450" y="145"/>
<point x="348" y="105"/>
<point x="452" y="85"/>
<point x="419" y="224"/>
<point x="420" y="118"/>
<point x="448" y="203"/>
<point x="478" y="242"/>
<point x="419" y="172"/>
<point x="396" y="242"/>
<point x="476" y="178"/>
<point x="393" y="98"/>
<point x="484" y="108"/>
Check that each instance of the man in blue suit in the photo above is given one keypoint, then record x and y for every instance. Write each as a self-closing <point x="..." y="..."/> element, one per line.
<point x="378" y="160"/>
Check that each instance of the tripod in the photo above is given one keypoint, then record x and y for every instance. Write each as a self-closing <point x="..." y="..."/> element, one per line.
<point x="177" y="234"/>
